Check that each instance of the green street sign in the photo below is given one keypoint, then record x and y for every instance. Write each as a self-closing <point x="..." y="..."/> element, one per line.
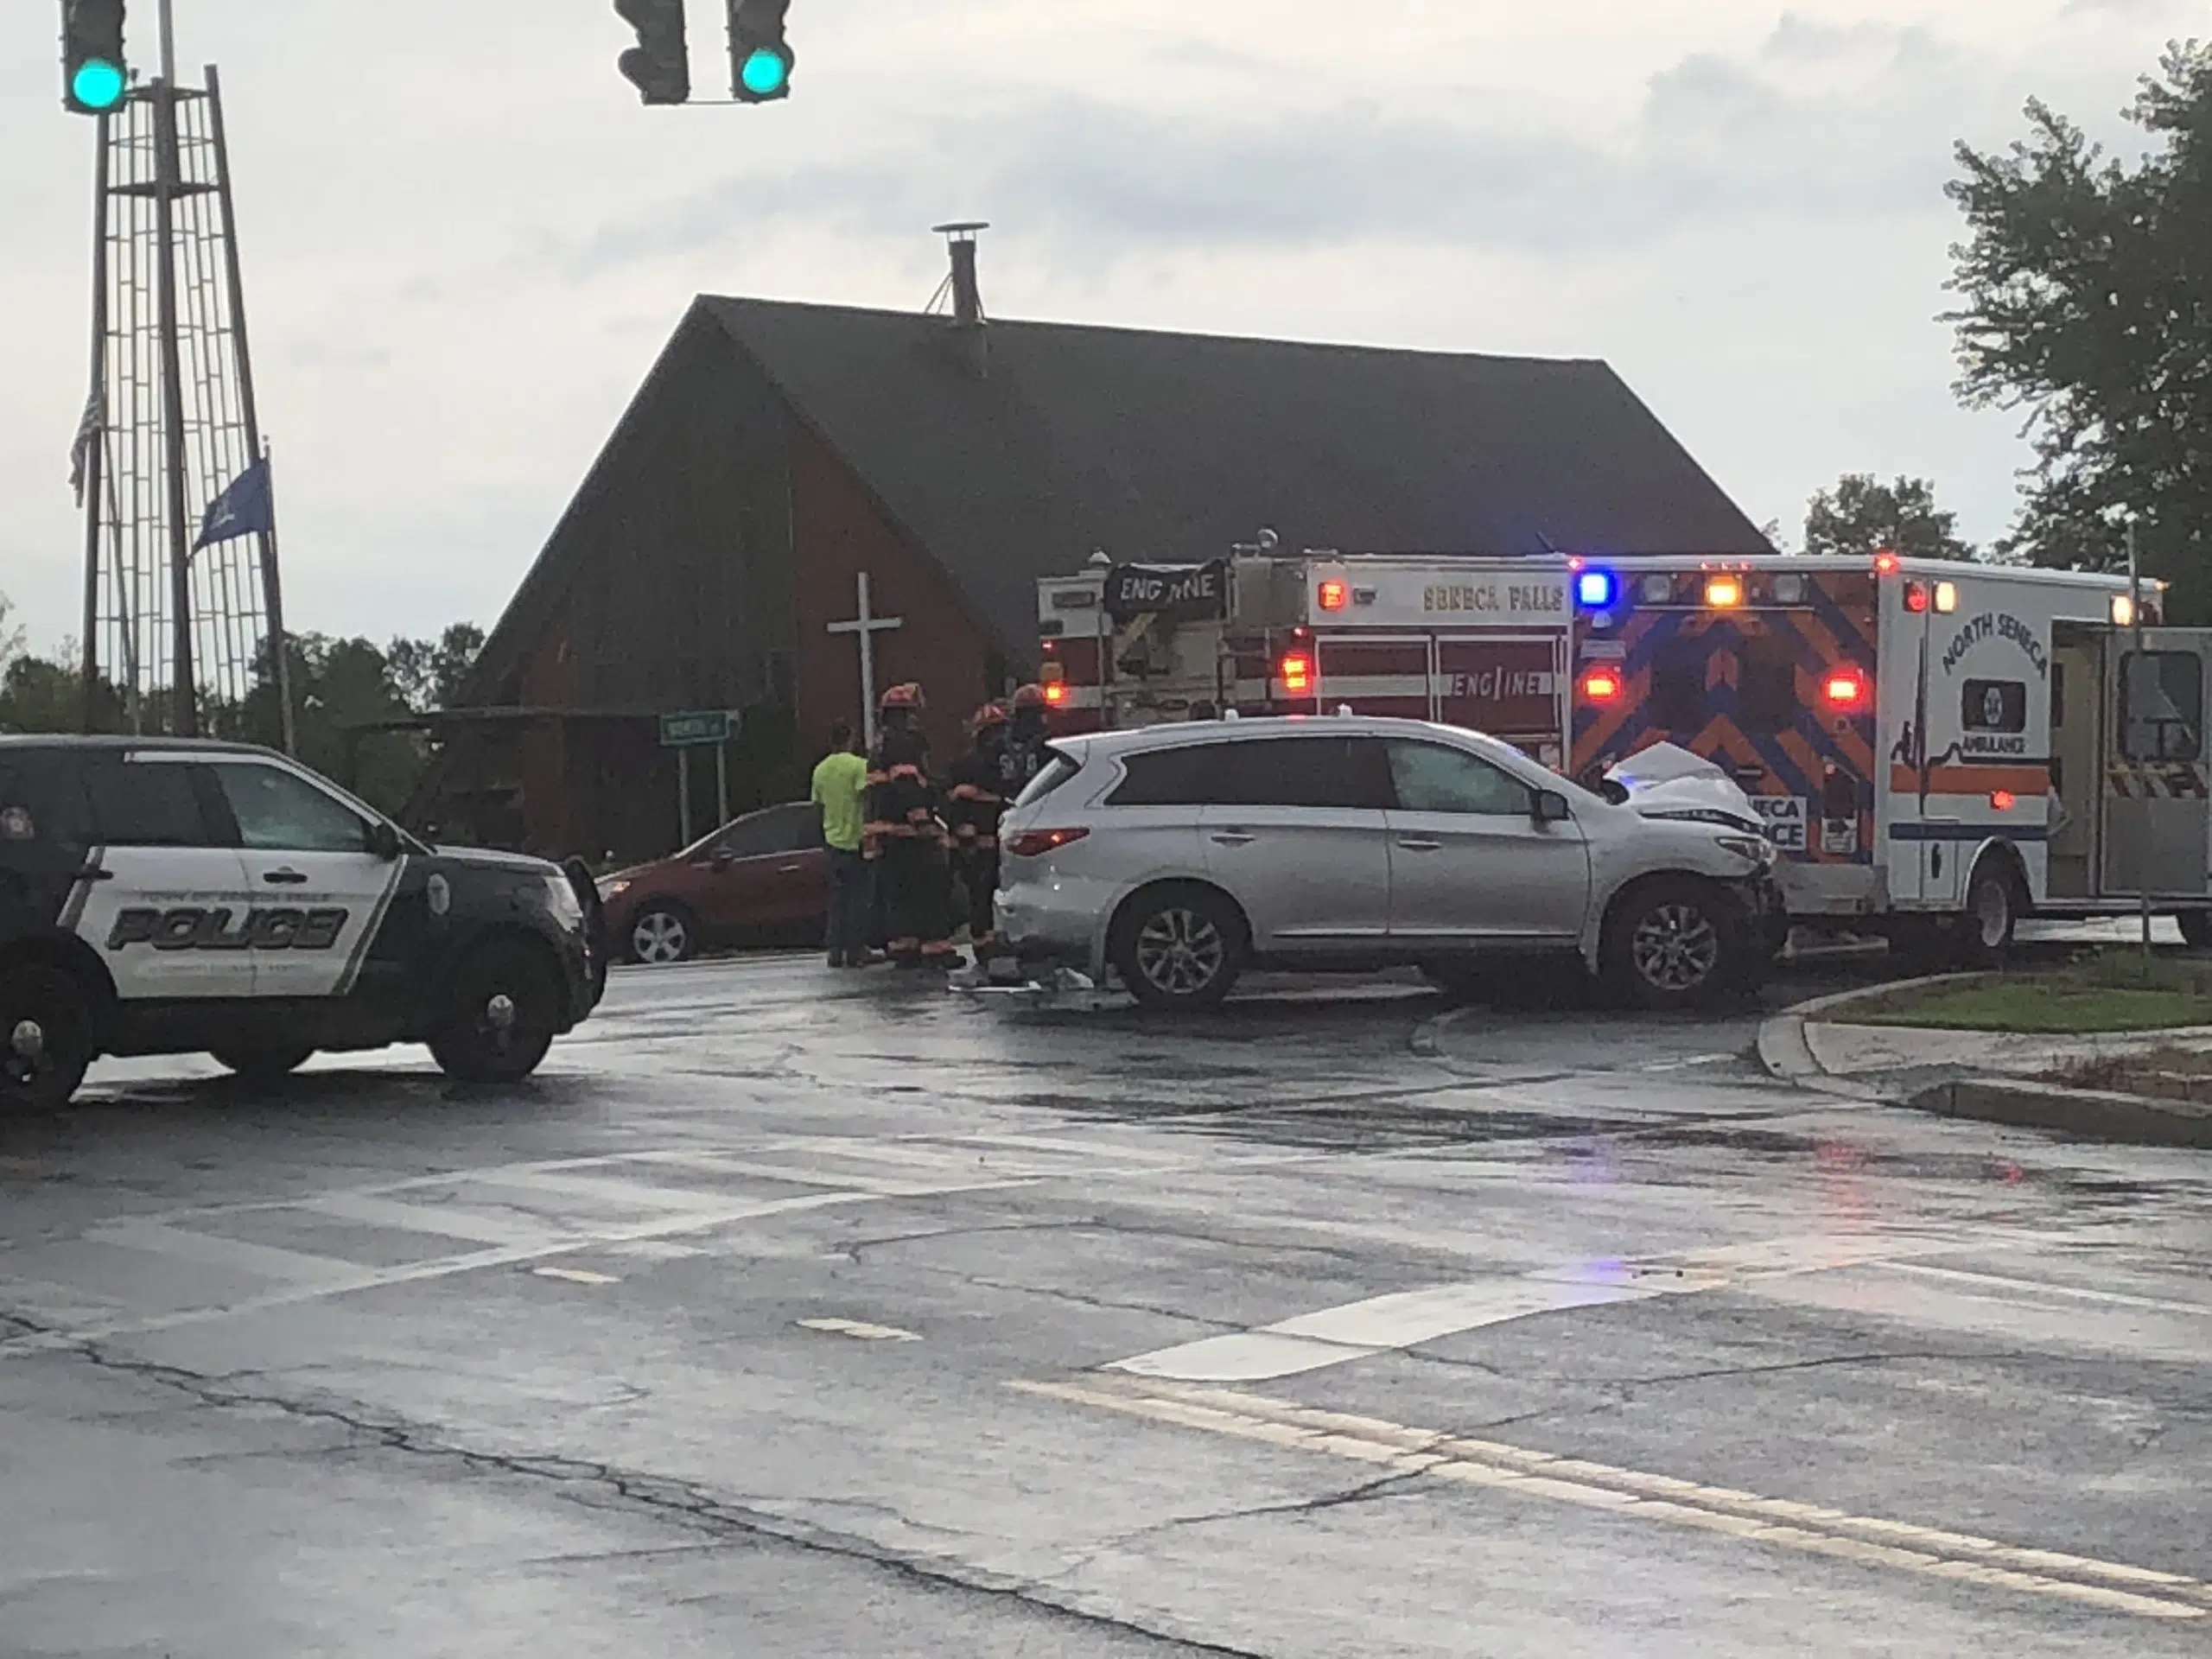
<point x="701" y="729"/>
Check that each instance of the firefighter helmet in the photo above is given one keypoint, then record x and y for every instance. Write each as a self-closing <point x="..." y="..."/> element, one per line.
<point x="908" y="695"/>
<point x="1031" y="696"/>
<point x="990" y="714"/>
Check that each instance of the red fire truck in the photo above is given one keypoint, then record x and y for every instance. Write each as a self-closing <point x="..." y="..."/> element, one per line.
<point x="1474" y="642"/>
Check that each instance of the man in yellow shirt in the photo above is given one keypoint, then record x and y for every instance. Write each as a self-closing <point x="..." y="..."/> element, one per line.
<point x="841" y="793"/>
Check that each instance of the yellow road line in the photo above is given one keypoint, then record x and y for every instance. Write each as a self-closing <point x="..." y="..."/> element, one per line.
<point x="1811" y="1528"/>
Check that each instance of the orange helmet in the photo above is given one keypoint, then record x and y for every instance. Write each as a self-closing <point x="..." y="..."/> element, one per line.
<point x="908" y="695"/>
<point x="1031" y="696"/>
<point x="990" y="714"/>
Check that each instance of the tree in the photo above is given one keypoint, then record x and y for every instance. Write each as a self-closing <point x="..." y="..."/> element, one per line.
<point x="11" y="640"/>
<point x="1862" y="516"/>
<point x="2086" y="286"/>
<point x="429" y="675"/>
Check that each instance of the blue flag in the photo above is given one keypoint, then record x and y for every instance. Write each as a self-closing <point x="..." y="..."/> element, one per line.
<point x="248" y="506"/>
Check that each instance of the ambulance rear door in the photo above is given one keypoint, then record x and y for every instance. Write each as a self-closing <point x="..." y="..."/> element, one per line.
<point x="2157" y="809"/>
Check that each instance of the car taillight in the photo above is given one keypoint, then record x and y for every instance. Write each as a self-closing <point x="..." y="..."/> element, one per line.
<point x="1035" y="843"/>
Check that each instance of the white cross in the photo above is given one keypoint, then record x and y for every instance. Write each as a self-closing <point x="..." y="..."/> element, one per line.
<point x="867" y="624"/>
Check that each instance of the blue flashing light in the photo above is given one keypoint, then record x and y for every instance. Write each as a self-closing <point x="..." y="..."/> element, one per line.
<point x="97" y="83"/>
<point x="1595" y="590"/>
<point x="766" y="73"/>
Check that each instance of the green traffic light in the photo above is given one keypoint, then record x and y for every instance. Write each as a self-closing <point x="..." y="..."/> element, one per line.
<point x="97" y="83"/>
<point x="765" y="73"/>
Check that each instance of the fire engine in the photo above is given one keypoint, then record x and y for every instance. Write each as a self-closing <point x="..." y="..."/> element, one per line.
<point x="1926" y="742"/>
<point x="1479" y="643"/>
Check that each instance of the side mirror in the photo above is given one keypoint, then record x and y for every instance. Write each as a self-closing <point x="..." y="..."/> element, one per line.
<point x="384" y="841"/>
<point x="1552" y="807"/>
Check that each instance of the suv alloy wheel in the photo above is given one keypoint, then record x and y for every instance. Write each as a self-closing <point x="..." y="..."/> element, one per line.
<point x="1179" y="947"/>
<point x="1673" y="945"/>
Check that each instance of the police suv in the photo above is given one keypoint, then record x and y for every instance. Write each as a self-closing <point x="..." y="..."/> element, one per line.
<point x="165" y="896"/>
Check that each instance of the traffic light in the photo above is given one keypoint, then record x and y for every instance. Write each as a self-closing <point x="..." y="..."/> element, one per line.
<point x="660" y="66"/>
<point x="760" y="59"/>
<point x="94" y="76"/>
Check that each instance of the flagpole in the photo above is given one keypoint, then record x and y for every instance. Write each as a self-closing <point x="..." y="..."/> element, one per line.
<point x="273" y="592"/>
<point x="91" y="435"/>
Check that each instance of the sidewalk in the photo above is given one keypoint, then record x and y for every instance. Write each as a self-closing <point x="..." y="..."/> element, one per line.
<point x="1994" y="1077"/>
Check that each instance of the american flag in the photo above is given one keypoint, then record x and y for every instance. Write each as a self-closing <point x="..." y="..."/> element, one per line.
<point x="88" y="434"/>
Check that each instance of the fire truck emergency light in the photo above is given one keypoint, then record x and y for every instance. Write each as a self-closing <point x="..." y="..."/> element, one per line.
<point x="1297" y="673"/>
<point x="1916" y="597"/>
<point x="1056" y="692"/>
<point x="1334" y="595"/>
<point x="1602" y="685"/>
<point x="1947" y="598"/>
<point x="1845" y="690"/>
<point x="2123" y="611"/>
<point x="1594" y="590"/>
<point x="2004" y="800"/>
<point x="1887" y="565"/>
<point x="1724" y="593"/>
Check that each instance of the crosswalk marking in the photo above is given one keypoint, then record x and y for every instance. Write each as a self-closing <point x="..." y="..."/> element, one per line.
<point x="436" y="1220"/>
<point x="1400" y="1319"/>
<point x="1638" y="1495"/>
<point x="225" y="1255"/>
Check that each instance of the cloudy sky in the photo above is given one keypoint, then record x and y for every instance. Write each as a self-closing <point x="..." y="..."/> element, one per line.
<point x="464" y="239"/>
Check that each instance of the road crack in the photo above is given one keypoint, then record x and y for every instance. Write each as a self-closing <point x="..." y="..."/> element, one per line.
<point x="682" y="1502"/>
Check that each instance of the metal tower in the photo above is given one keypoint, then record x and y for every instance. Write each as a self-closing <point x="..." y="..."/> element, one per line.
<point x="185" y="641"/>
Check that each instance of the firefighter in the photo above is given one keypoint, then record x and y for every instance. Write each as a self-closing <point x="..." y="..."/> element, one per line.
<point x="1024" y="756"/>
<point x="903" y="829"/>
<point x="973" y="809"/>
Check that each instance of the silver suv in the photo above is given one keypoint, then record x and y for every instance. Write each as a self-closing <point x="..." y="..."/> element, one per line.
<point x="1180" y="855"/>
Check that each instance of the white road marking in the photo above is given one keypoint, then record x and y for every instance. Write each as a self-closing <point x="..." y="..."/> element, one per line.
<point x="225" y="1255"/>
<point x="1689" y="1064"/>
<point x="1381" y="1325"/>
<point x="1634" y="1495"/>
<point x="2046" y="1288"/>
<point x="576" y="1276"/>
<point x="436" y="1220"/>
<point x="860" y="1331"/>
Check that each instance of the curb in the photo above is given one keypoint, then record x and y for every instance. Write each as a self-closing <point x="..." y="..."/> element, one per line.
<point x="1788" y="1057"/>
<point x="2092" y="1115"/>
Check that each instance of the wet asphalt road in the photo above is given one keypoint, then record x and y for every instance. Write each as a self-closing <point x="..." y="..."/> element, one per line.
<point x="798" y="1313"/>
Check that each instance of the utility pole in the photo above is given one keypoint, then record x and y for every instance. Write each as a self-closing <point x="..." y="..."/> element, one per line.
<point x="184" y="712"/>
<point x="2135" y="668"/>
<point x="93" y="437"/>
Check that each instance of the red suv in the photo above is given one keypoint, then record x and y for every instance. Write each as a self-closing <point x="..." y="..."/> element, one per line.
<point x="763" y="880"/>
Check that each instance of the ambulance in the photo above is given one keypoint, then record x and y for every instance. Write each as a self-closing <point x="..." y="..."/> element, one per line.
<point x="1937" y="749"/>
<point x="1482" y="643"/>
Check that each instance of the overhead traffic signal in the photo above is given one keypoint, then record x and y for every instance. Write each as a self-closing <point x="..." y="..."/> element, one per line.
<point x="94" y="77"/>
<point x="760" y="58"/>
<point x="660" y="66"/>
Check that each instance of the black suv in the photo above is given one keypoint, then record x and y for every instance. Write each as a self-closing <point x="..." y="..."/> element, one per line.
<point x="162" y="897"/>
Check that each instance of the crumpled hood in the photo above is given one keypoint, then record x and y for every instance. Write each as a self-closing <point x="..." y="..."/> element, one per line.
<point x="1667" y="780"/>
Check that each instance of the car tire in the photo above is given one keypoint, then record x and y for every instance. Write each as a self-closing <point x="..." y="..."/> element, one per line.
<point x="500" y="1016"/>
<point x="1992" y="915"/>
<point x="2195" y="929"/>
<point x="1673" y="945"/>
<point x="661" y="934"/>
<point x="1178" y="948"/>
<point x="46" y="1039"/>
<point x="264" y="1065"/>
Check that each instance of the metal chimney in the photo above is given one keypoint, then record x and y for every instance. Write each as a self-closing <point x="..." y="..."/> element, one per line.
<point x="964" y="290"/>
